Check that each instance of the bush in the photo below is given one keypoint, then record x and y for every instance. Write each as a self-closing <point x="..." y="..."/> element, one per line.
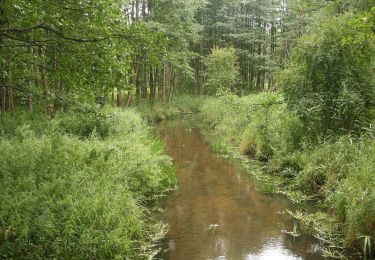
<point x="67" y="197"/>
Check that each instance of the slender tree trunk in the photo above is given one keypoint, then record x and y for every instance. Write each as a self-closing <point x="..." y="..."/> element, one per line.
<point x="31" y="79"/>
<point x="170" y="85"/>
<point x="58" y="97"/>
<point x="113" y="98"/>
<point x="160" y="83"/>
<point x="119" y="98"/>
<point x="43" y="82"/>
<point x="138" y="81"/>
<point x="136" y="9"/>
<point x="152" y="85"/>
<point x="3" y="99"/>
<point x="164" y="81"/>
<point x="129" y="99"/>
<point x="10" y="100"/>
<point x="8" y="83"/>
<point x="144" y="81"/>
<point x="3" y="24"/>
<point x="143" y="9"/>
<point x="157" y="81"/>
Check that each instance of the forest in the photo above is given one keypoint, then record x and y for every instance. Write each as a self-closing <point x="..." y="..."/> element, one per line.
<point x="287" y="86"/>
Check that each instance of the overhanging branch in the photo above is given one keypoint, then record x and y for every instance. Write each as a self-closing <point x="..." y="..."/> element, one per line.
<point x="6" y="31"/>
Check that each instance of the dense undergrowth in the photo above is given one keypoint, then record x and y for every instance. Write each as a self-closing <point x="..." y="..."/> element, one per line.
<point x="179" y="105"/>
<point x="76" y="186"/>
<point x="336" y="171"/>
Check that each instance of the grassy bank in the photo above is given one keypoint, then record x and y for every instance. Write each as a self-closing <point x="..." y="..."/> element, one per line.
<point x="77" y="186"/>
<point x="338" y="172"/>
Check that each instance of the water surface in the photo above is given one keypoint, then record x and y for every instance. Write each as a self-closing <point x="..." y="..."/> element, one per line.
<point x="218" y="212"/>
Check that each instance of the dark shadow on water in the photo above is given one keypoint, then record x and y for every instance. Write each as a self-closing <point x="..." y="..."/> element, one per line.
<point x="217" y="212"/>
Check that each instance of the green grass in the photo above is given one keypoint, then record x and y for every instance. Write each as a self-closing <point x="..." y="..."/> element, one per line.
<point x="76" y="187"/>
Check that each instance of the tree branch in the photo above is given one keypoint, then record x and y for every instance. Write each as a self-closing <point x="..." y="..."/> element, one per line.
<point x="4" y="31"/>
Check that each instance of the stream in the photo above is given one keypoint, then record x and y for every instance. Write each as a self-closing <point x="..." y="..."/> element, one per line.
<point x="218" y="212"/>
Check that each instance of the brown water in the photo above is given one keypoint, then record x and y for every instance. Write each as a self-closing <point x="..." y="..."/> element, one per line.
<point x="218" y="213"/>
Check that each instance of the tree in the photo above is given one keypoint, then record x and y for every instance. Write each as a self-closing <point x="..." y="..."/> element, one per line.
<point x="222" y="70"/>
<point x="330" y="81"/>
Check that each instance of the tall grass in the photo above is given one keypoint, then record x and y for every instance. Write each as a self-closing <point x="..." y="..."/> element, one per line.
<point x="77" y="189"/>
<point x="338" y="171"/>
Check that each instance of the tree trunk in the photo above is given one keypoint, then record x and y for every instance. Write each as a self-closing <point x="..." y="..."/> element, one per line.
<point x="31" y="80"/>
<point x="136" y="9"/>
<point x="58" y="98"/>
<point x="138" y="81"/>
<point x="3" y="24"/>
<point x="157" y="81"/>
<point x="3" y="99"/>
<point x="164" y="81"/>
<point x="152" y="85"/>
<point x="119" y="98"/>
<point x="43" y="82"/>
<point x="160" y="83"/>
<point x="10" y="100"/>
<point x="144" y="81"/>
<point x="129" y="99"/>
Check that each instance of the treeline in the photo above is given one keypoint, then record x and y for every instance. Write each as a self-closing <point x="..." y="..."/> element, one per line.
<point x="58" y="52"/>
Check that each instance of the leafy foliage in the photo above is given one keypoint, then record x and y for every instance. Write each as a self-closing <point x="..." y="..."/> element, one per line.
<point x="222" y="69"/>
<point x="67" y="197"/>
<point x="330" y="81"/>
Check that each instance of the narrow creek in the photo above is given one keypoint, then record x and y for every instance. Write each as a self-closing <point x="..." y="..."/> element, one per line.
<point x="218" y="212"/>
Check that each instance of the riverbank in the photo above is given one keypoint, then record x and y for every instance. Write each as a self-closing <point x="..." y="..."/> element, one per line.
<point x="78" y="186"/>
<point x="218" y="212"/>
<point x="334" y="172"/>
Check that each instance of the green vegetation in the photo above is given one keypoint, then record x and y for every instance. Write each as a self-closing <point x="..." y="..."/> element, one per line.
<point x="295" y="89"/>
<point x="77" y="186"/>
<point x="330" y="80"/>
<point x="222" y="70"/>
<point x="338" y="171"/>
<point x="178" y="106"/>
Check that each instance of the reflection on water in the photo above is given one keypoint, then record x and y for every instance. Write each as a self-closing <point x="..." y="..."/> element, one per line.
<point x="217" y="213"/>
